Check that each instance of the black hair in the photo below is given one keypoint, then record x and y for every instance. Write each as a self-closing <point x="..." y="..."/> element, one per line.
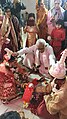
<point x="60" y="22"/>
<point x="59" y="82"/>
<point x="10" y="115"/>
<point x="31" y="15"/>
<point x="7" y="5"/>
<point x="6" y="8"/>
<point x="11" y="59"/>
<point x="39" y="1"/>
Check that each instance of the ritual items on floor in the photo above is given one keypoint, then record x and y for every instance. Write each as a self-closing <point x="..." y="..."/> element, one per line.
<point x="20" y="76"/>
<point x="34" y="93"/>
<point x="29" y="91"/>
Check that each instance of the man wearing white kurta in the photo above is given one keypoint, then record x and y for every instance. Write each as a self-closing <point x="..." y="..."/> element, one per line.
<point x="41" y="54"/>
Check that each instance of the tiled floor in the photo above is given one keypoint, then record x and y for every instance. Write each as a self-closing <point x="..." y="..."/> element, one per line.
<point x="16" y="105"/>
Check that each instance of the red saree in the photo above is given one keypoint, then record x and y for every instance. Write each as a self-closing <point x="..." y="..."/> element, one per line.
<point x="7" y="83"/>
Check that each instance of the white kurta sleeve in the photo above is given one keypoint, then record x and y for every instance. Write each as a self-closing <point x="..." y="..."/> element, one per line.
<point x="51" y="56"/>
<point x="26" y="50"/>
<point x="52" y="59"/>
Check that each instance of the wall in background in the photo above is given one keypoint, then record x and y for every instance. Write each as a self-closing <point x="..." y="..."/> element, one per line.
<point x="30" y="5"/>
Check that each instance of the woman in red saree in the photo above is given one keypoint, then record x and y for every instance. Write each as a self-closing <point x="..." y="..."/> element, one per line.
<point x="7" y="82"/>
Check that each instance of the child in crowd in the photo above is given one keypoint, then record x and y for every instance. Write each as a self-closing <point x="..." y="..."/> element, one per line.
<point x="57" y="38"/>
<point x="31" y="29"/>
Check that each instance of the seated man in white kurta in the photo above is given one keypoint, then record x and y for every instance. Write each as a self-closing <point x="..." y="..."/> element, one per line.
<point x="41" y="55"/>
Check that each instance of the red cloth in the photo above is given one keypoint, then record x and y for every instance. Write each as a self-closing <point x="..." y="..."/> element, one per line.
<point x="35" y="81"/>
<point x="43" y="113"/>
<point x="57" y="34"/>
<point x="27" y="94"/>
<point x="7" y="83"/>
<point x="29" y="90"/>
